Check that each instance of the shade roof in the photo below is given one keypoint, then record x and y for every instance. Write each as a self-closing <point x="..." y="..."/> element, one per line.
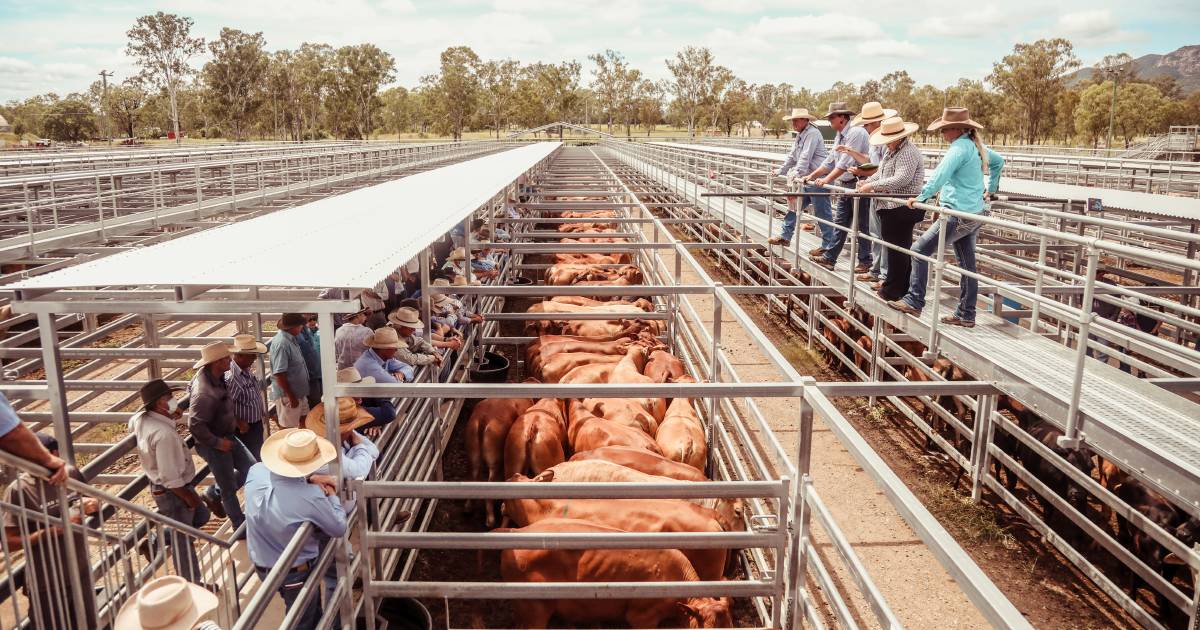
<point x="349" y="241"/>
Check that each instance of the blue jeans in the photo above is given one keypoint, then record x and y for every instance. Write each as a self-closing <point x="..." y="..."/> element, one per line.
<point x="289" y="591"/>
<point x="820" y="210"/>
<point x="183" y="552"/>
<point x="229" y="471"/>
<point x="847" y="207"/>
<point x="253" y="439"/>
<point x="880" y="266"/>
<point x="961" y="234"/>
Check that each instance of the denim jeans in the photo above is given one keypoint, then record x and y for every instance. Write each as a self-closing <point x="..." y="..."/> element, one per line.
<point x="880" y="265"/>
<point x="182" y="550"/>
<point x="289" y="592"/>
<point x="253" y="438"/>
<point x="229" y="471"/>
<point x="381" y="409"/>
<point x="844" y="216"/>
<point x="820" y="208"/>
<point x="961" y="235"/>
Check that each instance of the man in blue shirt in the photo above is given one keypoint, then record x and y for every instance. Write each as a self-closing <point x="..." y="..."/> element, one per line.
<point x="808" y="151"/>
<point x="16" y="438"/>
<point x="289" y="388"/>
<point x="282" y="494"/>
<point x="836" y="170"/>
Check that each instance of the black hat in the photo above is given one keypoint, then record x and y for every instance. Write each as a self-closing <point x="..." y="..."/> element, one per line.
<point x="152" y="391"/>
<point x="47" y="441"/>
<point x="290" y="320"/>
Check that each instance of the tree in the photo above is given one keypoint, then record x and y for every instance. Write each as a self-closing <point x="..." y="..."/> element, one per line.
<point x="1141" y="110"/>
<point x="649" y="104"/>
<point x="71" y="119"/>
<point x="456" y="88"/>
<point x="692" y="73"/>
<point x="1092" y="113"/>
<point x="1064" y="113"/>
<point x="397" y="113"/>
<point x="498" y="85"/>
<point x="125" y="102"/>
<point x="1119" y="65"/>
<point x="1033" y="75"/>
<point x="161" y="45"/>
<point x="613" y="85"/>
<point x="357" y="74"/>
<point x="235" y="78"/>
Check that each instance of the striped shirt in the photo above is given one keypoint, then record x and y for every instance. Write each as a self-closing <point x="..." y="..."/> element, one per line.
<point x="854" y="137"/>
<point x="244" y="394"/>
<point x="901" y="172"/>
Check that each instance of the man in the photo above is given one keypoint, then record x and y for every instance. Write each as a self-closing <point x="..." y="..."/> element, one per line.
<point x="310" y="347"/>
<point x="872" y="115"/>
<point x="358" y="452"/>
<point x="381" y="409"/>
<point x="47" y="584"/>
<point x="213" y="425"/>
<point x="282" y="493"/>
<point x="290" y="384"/>
<point x="835" y="170"/>
<point x="17" y="439"/>
<point x="168" y="465"/>
<point x="808" y="151"/>
<point x="245" y="392"/>
<point x="417" y="351"/>
<point x="378" y="361"/>
<point x="348" y="342"/>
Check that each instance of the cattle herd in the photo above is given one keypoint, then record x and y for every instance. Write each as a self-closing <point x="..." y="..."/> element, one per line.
<point x="651" y="440"/>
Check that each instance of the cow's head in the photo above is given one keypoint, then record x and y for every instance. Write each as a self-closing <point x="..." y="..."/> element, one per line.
<point x="1189" y="531"/>
<point x="1082" y="461"/>
<point x="705" y="612"/>
<point x="632" y="274"/>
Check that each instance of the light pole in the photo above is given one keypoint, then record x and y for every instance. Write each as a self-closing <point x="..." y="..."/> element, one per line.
<point x="1111" y="72"/>
<point x="104" y="74"/>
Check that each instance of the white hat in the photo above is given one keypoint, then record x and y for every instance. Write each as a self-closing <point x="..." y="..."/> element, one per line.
<point x="407" y="317"/>
<point x="165" y="603"/>
<point x="296" y="452"/>
<point x="214" y="351"/>
<point x="892" y="129"/>
<point x="351" y="375"/>
<point x="247" y="344"/>
<point x="872" y="112"/>
<point x="799" y="112"/>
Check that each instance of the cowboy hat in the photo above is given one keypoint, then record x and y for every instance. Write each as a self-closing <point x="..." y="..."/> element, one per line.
<point x="954" y="117"/>
<point x="291" y="320"/>
<point x="296" y="452"/>
<point x="350" y="417"/>
<point x="440" y="298"/>
<point x="459" y="281"/>
<point x="892" y="129"/>
<point x="152" y="391"/>
<point x="458" y="254"/>
<point x="165" y="603"/>
<point x="799" y="112"/>
<point x="384" y="338"/>
<point x="838" y="107"/>
<point x="214" y="351"/>
<point x="351" y="375"/>
<point x="407" y="317"/>
<point x="872" y="112"/>
<point x="441" y="282"/>
<point x="247" y="344"/>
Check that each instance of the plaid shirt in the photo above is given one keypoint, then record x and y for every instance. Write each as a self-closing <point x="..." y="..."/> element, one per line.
<point x="245" y="398"/>
<point x="902" y="172"/>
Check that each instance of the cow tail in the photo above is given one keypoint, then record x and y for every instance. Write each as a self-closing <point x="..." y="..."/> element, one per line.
<point x="531" y="434"/>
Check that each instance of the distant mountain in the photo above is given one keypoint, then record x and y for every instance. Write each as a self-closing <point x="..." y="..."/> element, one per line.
<point x="1183" y="65"/>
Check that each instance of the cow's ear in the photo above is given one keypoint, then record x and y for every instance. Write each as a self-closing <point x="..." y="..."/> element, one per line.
<point x="545" y="476"/>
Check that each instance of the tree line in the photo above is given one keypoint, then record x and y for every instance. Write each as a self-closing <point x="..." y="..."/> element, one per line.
<point x="317" y="91"/>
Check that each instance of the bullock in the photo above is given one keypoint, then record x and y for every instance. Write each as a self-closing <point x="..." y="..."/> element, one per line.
<point x="1056" y="480"/>
<point x="642" y="460"/>
<point x="625" y="276"/>
<point x="588" y="431"/>
<point x="537" y="439"/>
<point x="624" y="411"/>
<point x="486" y="432"/>
<point x="557" y="366"/>
<point x="629" y="371"/>
<point x="662" y="366"/>
<point x="681" y="435"/>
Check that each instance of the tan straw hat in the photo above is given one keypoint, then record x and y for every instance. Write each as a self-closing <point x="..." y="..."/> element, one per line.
<point x="441" y="282"/>
<point x="350" y="417"/>
<point x="458" y="254"/>
<point x="296" y="452"/>
<point x="165" y="603"/>
<point x="247" y="344"/>
<point x="214" y="351"/>
<point x="440" y="298"/>
<point x="799" y="112"/>
<point x="872" y="112"/>
<point x="384" y="338"/>
<point x="954" y="117"/>
<point x="892" y="129"/>
<point x="839" y="107"/>
<point x="351" y="375"/>
<point x="407" y="317"/>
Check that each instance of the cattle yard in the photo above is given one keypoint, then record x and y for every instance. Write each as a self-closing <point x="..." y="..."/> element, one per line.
<point x="771" y="513"/>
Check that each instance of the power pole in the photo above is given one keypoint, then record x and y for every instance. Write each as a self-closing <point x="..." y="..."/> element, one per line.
<point x="1112" y="110"/>
<point x="104" y="74"/>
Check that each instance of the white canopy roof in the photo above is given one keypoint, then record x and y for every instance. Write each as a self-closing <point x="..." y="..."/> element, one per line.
<point x="349" y="241"/>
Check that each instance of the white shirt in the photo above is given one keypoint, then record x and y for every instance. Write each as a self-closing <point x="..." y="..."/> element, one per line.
<point x="161" y="449"/>
<point x="348" y="343"/>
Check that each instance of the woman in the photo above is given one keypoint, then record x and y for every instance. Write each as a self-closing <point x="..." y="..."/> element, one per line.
<point x="900" y="172"/>
<point x="959" y="183"/>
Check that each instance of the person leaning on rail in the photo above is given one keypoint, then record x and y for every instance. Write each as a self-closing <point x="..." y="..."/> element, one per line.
<point x="381" y="409"/>
<point x="869" y="118"/>
<point x="214" y="427"/>
<point x="348" y="340"/>
<point x="808" y="151"/>
<point x="282" y="494"/>
<point x="901" y="172"/>
<point x="959" y="181"/>
<point x="168" y="465"/>
<point x="836" y="170"/>
<point x="17" y="439"/>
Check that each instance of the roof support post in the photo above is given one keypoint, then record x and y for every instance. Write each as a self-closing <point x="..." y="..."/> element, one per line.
<point x="56" y="393"/>
<point x="329" y="399"/>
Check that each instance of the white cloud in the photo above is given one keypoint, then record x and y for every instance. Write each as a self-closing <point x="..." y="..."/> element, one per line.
<point x="973" y="23"/>
<point x="890" y="48"/>
<point x="1094" y="23"/>
<point x="827" y="26"/>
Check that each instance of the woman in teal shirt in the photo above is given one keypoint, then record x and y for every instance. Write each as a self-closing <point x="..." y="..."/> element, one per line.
<point x="958" y="182"/>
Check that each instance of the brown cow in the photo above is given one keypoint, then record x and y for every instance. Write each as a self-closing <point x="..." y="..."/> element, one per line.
<point x="629" y="371"/>
<point x="588" y="374"/>
<point x="626" y="411"/>
<point x="663" y="366"/>
<point x="643" y="460"/>
<point x="557" y="366"/>
<point x="537" y="439"/>
<point x="588" y="431"/>
<point x="681" y="433"/>
<point x="486" y="432"/>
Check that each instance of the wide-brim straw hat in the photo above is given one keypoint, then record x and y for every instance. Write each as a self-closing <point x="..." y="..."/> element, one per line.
<point x="351" y="375"/>
<point x="407" y="317"/>
<point x="440" y="298"/>
<point x="247" y="344"/>
<point x="458" y="254"/>
<point x="891" y="130"/>
<point x="350" y="417"/>
<point x="166" y="603"/>
<point x="441" y="282"/>
<point x="214" y="351"/>
<point x="838" y="107"/>
<point x="296" y="452"/>
<point x="872" y="112"/>
<point x="799" y="112"/>
<point x="384" y="338"/>
<point x="954" y="117"/>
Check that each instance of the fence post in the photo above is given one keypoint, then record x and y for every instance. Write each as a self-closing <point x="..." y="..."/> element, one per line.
<point x="979" y="444"/>
<point x="936" y="289"/>
<point x="798" y="560"/>
<point x="1071" y="439"/>
<point x="852" y="240"/>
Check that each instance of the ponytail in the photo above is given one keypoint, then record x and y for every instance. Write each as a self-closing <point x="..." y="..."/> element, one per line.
<point x="983" y="158"/>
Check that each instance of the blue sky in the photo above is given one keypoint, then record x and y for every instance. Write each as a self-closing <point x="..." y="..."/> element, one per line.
<point x="61" y="46"/>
